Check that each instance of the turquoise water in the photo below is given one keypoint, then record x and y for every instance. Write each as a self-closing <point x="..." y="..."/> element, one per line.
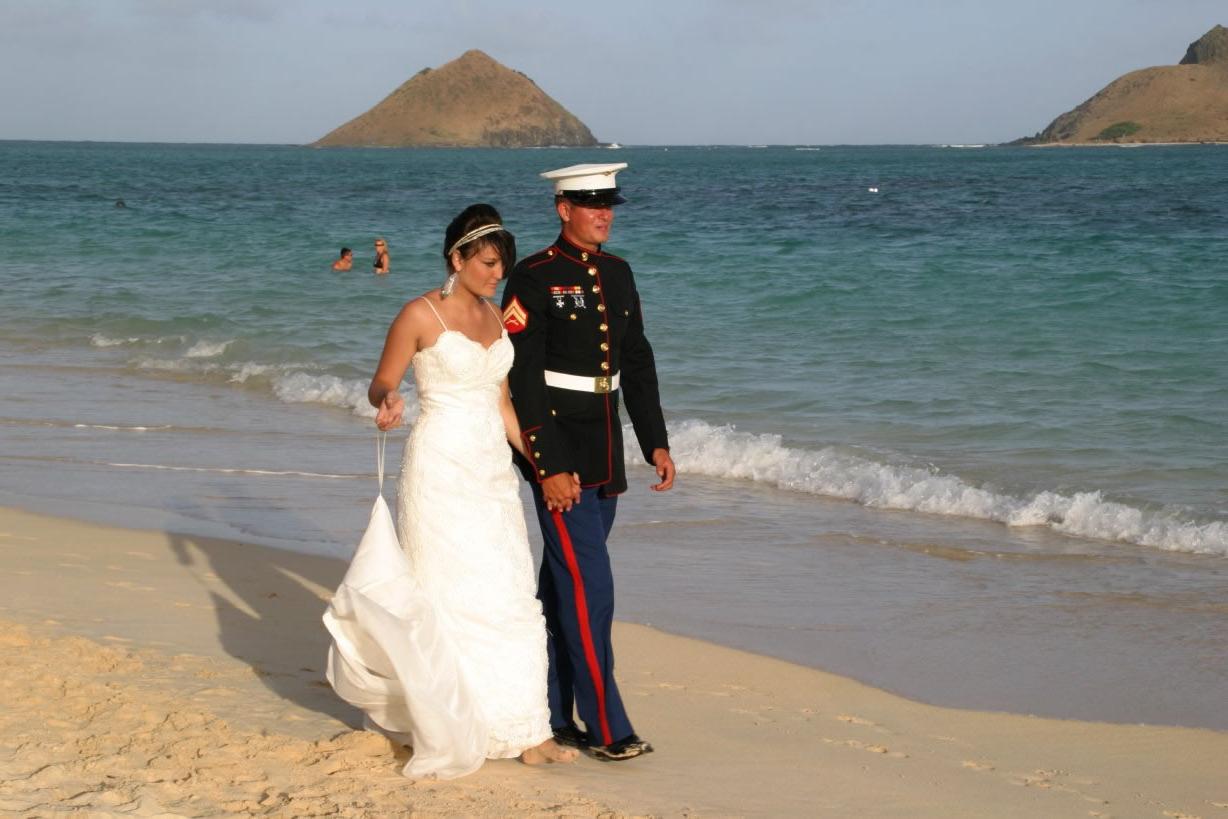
<point x="1004" y="358"/>
<point x="996" y="333"/>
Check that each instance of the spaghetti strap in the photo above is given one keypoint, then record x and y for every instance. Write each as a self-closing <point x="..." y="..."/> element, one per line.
<point x="498" y="315"/>
<point x="436" y="312"/>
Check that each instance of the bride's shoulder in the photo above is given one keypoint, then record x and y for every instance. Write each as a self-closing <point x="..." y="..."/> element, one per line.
<point x="421" y="308"/>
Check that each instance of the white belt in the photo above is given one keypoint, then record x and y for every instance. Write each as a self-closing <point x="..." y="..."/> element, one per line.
<point x="582" y="383"/>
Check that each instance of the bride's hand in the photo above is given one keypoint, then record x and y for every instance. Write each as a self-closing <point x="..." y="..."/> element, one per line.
<point x="390" y="411"/>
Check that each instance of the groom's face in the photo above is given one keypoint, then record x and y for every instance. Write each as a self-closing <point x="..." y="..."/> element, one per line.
<point x="586" y="226"/>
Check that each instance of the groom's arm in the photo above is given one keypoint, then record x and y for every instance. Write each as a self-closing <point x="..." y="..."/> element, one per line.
<point x="641" y="393"/>
<point x="526" y="318"/>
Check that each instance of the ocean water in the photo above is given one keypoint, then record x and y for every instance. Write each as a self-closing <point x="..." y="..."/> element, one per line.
<point x="952" y="421"/>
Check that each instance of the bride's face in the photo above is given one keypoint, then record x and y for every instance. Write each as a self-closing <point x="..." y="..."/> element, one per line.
<point x="481" y="273"/>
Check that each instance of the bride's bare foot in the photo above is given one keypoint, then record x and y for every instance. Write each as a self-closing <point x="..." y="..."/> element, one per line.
<point x="549" y="751"/>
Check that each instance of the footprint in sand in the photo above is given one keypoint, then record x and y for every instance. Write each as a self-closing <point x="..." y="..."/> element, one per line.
<point x="972" y="764"/>
<point x="852" y="720"/>
<point x="1043" y="779"/>
<point x="855" y="720"/>
<point x="868" y="747"/>
<point x="129" y="585"/>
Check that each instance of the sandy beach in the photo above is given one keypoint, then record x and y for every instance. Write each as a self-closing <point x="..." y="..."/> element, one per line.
<point x="154" y="674"/>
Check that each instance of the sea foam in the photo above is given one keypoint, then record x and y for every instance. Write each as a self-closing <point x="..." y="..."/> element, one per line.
<point x="208" y="349"/>
<point x="102" y="340"/>
<point x="723" y="452"/>
<point x="301" y="388"/>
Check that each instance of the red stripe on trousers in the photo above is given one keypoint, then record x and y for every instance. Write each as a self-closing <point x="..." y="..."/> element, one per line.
<point x="586" y="634"/>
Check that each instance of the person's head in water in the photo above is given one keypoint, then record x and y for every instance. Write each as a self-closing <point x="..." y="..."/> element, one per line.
<point x="345" y="260"/>
<point x="119" y="203"/>
<point x="477" y="250"/>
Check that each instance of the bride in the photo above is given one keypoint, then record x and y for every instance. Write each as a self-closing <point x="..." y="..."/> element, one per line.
<point x="477" y="638"/>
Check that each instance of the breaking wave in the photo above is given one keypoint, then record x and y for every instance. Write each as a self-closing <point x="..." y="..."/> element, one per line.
<point x="723" y="452"/>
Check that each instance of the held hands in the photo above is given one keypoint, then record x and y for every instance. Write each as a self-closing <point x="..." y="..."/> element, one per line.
<point x="665" y="470"/>
<point x="390" y="411"/>
<point x="561" y="492"/>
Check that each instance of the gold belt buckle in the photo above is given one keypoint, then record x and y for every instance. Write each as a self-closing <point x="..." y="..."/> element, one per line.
<point x="601" y="384"/>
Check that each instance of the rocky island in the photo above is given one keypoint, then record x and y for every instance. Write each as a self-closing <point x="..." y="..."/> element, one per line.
<point x="473" y="102"/>
<point x="1187" y="102"/>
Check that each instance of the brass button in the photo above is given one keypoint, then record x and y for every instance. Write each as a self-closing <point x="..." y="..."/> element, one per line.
<point x="554" y="412"/>
<point x="605" y="348"/>
<point x="626" y="312"/>
<point x="537" y="454"/>
<point x="601" y="308"/>
<point x="541" y="472"/>
<point x="592" y="271"/>
<point x="584" y="257"/>
<point x="596" y="288"/>
<point x="605" y="365"/>
<point x="532" y="438"/>
<point x="603" y="327"/>
<point x="572" y="317"/>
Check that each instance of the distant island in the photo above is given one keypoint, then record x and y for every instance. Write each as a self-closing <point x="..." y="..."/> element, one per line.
<point x="474" y="102"/>
<point x="1187" y="102"/>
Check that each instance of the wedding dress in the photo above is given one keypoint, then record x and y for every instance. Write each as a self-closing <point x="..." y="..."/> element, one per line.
<point x="441" y="638"/>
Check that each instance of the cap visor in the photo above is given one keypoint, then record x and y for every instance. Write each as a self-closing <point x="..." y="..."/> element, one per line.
<point x="595" y="199"/>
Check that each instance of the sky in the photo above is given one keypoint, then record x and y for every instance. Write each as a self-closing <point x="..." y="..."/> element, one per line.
<point x="639" y="72"/>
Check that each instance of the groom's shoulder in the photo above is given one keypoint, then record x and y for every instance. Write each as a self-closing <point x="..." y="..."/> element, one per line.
<point x="541" y="258"/>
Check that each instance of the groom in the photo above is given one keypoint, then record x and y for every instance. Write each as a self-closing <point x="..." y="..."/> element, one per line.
<point x="573" y="315"/>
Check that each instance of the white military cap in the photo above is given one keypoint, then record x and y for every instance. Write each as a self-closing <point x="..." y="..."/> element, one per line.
<point x="591" y="184"/>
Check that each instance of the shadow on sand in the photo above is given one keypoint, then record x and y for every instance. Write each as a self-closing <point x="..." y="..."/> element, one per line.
<point x="271" y="618"/>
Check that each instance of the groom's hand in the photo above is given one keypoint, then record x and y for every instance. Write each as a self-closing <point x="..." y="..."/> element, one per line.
<point x="561" y="492"/>
<point x="665" y="470"/>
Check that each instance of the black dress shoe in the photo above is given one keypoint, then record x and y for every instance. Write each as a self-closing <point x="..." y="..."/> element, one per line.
<point x="626" y="748"/>
<point x="571" y="736"/>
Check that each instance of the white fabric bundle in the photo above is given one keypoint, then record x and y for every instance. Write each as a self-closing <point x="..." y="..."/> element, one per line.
<point x="391" y="658"/>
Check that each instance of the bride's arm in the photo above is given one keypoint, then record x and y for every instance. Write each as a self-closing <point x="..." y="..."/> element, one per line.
<point x="511" y="424"/>
<point x="399" y="348"/>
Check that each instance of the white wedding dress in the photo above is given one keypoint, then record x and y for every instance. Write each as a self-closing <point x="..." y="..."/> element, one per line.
<point x="441" y="639"/>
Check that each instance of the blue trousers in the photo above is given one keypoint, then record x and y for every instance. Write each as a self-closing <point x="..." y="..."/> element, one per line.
<point x="576" y="588"/>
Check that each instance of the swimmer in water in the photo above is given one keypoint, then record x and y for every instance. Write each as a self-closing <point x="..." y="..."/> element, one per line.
<point x="382" y="262"/>
<point x="345" y="261"/>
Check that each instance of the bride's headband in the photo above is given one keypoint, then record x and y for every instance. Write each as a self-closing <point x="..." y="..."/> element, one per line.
<point x="476" y="233"/>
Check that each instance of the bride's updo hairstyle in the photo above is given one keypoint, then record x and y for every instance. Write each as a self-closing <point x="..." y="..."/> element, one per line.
<point x="486" y="225"/>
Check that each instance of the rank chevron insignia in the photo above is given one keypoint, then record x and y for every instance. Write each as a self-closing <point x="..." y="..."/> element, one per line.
<point x="515" y="317"/>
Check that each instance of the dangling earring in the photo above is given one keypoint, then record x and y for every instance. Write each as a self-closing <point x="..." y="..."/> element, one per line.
<point x="449" y="284"/>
